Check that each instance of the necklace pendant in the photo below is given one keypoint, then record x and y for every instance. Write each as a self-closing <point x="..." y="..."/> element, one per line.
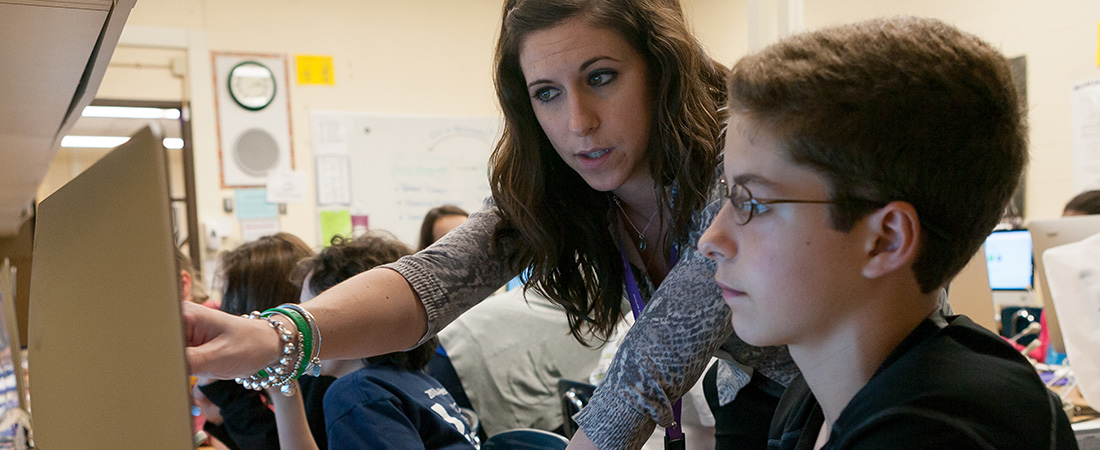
<point x="641" y="244"/>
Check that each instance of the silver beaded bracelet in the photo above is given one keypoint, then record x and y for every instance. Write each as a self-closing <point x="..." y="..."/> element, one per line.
<point x="282" y="372"/>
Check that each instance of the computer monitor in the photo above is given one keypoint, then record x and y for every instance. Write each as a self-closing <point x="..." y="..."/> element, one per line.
<point x="1052" y="233"/>
<point x="106" y="352"/>
<point x="1008" y="257"/>
<point x="969" y="293"/>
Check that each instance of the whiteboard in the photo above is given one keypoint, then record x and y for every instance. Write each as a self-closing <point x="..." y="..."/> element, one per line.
<point x="399" y="167"/>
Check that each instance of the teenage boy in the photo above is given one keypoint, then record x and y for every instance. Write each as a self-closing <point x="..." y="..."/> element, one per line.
<point x="864" y="165"/>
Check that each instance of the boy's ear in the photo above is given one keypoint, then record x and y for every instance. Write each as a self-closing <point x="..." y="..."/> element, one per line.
<point x="893" y="239"/>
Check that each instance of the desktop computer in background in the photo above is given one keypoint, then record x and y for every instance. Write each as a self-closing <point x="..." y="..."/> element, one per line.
<point x="1011" y="269"/>
<point x="970" y="295"/>
<point x="1011" y="276"/>
<point x="999" y="274"/>
<point x="1052" y="233"/>
<point x="106" y="343"/>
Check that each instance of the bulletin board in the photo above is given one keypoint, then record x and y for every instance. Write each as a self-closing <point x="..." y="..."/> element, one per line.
<point x="387" y="171"/>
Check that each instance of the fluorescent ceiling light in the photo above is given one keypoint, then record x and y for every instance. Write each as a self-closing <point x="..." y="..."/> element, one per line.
<point x="93" y="141"/>
<point x="110" y="142"/>
<point x="127" y="112"/>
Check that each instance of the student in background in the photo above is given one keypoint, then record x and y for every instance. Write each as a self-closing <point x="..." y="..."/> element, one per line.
<point x="440" y="221"/>
<point x="1082" y="204"/>
<point x="384" y="401"/>
<point x="191" y="288"/>
<point x="257" y="276"/>
<point x="602" y="182"/>
<point x="504" y="357"/>
<point x="509" y="352"/>
<point x="846" y="215"/>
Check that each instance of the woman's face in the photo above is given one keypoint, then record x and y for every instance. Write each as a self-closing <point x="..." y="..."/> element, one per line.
<point x="590" y="92"/>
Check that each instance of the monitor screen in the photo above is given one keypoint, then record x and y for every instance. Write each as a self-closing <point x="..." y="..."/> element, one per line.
<point x="1008" y="257"/>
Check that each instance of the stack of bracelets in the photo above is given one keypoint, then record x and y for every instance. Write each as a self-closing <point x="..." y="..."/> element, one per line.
<point x="296" y="345"/>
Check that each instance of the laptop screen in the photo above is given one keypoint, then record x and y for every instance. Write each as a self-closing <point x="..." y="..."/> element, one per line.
<point x="1009" y="259"/>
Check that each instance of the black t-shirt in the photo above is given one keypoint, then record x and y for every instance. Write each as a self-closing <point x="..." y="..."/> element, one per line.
<point x="957" y="387"/>
<point x="250" y="424"/>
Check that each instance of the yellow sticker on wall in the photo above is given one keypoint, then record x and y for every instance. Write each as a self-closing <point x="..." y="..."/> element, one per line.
<point x="1098" y="45"/>
<point x="315" y="69"/>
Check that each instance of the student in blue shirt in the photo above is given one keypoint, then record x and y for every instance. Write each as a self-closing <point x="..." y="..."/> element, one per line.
<point x="385" y="401"/>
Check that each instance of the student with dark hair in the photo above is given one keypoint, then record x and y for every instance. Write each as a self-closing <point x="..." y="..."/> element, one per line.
<point x="384" y="401"/>
<point x="607" y="161"/>
<point x="257" y="276"/>
<point x="1083" y="204"/>
<point x="847" y="213"/>
<point x="438" y="222"/>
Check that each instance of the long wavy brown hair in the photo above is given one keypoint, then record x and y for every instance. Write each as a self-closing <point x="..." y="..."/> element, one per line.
<point x="557" y="224"/>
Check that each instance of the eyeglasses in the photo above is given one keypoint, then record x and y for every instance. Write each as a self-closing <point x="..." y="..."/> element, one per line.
<point x="745" y="206"/>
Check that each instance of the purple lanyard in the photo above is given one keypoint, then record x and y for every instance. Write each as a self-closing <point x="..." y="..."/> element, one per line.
<point x="674" y="435"/>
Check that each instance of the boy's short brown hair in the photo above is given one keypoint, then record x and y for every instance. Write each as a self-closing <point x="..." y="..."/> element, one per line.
<point x="898" y="109"/>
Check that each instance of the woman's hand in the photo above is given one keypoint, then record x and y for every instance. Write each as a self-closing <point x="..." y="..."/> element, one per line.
<point x="225" y="346"/>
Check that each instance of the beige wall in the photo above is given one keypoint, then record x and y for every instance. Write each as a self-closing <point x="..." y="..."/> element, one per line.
<point x="434" y="56"/>
<point x="1058" y="38"/>
<point x="422" y="57"/>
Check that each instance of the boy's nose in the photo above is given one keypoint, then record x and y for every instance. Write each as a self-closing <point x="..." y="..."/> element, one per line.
<point x="717" y="243"/>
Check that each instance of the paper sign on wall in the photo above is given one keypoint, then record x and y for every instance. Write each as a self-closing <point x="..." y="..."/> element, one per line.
<point x="315" y="69"/>
<point x="252" y="229"/>
<point x="286" y="186"/>
<point x="1085" y="101"/>
<point x="333" y="180"/>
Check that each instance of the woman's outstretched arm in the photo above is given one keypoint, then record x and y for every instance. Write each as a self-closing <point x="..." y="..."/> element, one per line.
<point x="372" y="313"/>
<point x="386" y="309"/>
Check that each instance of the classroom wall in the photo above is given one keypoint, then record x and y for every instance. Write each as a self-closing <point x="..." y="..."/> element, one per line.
<point x="1058" y="38"/>
<point x="1060" y="42"/>
<point x="433" y="57"/>
<point x="424" y="57"/>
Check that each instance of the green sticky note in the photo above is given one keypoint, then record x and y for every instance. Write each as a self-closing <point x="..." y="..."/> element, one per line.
<point x="335" y="222"/>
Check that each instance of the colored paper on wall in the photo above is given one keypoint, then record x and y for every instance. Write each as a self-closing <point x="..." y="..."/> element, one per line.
<point x="335" y="222"/>
<point x="1098" y="45"/>
<point x="253" y="204"/>
<point x="315" y="69"/>
<point x="360" y="224"/>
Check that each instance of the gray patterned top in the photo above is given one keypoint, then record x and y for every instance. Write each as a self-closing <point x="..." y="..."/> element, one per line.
<point x="683" y="324"/>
